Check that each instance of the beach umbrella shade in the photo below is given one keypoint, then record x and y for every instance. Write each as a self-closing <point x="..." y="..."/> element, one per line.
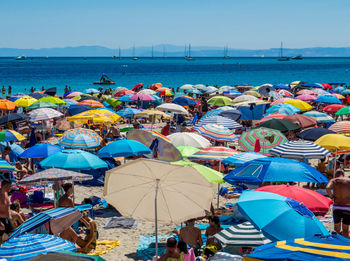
<point x="165" y="93"/>
<point x="142" y="97"/>
<point x="300" y="150"/>
<point x="11" y="135"/>
<point x="193" y="91"/>
<point x="125" y="98"/>
<point x="339" y="89"/>
<point x="343" y="111"/>
<point x="271" y="116"/>
<point x="80" y="139"/>
<point x="220" y="101"/>
<point x="252" y="93"/>
<point x="219" y="120"/>
<point x="96" y="117"/>
<point x="341" y="127"/>
<point x="25" y="101"/>
<point x="305" y="92"/>
<point x="314" y="133"/>
<point x="232" y="93"/>
<point x="334" y="142"/>
<point x="90" y="98"/>
<point x="241" y="158"/>
<point x="66" y="256"/>
<point x="306" y="97"/>
<point x="128" y="112"/>
<point x="70" y="102"/>
<point x="231" y="114"/>
<point x="73" y="94"/>
<point x="333" y="108"/>
<point x="281" y="125"/>
<point x="328" y="99"/>
<point x="320" y="92"/>
<point x="187" y="151"/>
<point x="38" y="95"/>
<point x="301" y="120"/>
<point x="314" y="201"/>
<point x="281" y="87"/>
<point x="148" y="91"/>
<point x="53" y="100"/>
<point x="16" y="96"/>
<point x="245" y="98"/>
<point x="278" y="101"/>
<point x="37" y="105"/>
<point x="51" y="91"/>
<point x="162" y="145"/>
<point x="213" y="153"/>
<point x="73" y="160"/>
<point x="285" y="93"/>
<point x="320" y="117"/>
<point x="91" y="90"/>
<point x="40" y="151"/>
<point x="283" y="108"/>
<point x="124" y="92"/>
<point x="312" y="85"/>
<point x="186" y="87"/>
<point x="211" y="89"/>
<point x="327" y="86"/>
<point x="5" y="166"/>
<point x="266" y="90"/>
<point x="13" y="117"/>
<point x="44" y="114"/>
<point x="301" y="105"/>
<point x="113" y="102"/>
<point x="172" y="107"/>
<point x="123" y="148"/>
<point x="346" y="92"/>
<point x="338" y="96"/>
<point x="91" y="103"/>
<point x="7" y="105"/>
<point x="189" y="139"/>
<point x="161" y="192"/>
<point x="261" y="140"/>
<point x="152" y="113"/>
<point x="53" y="174"/>
<point x="216" y="132"/>
<point x="121" y="88"/>
<point x="76" y="109"/>
<point x="28" y="246"/>
<point x="182" y="100"/>
<point x="242" y="235"/>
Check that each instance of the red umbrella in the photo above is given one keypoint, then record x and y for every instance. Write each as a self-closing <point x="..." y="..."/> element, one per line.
<point x="327" y="86"/>
<point x="311" y="199"/>
<point x="301" y="120"/>
<point x="333" y="108"/>
<point x="123" y="92"/>
<point x="137" y="86"/>
<point x="275" y="115"/>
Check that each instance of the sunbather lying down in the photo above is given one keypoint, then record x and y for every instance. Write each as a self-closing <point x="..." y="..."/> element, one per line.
<point x="89" y="241"/>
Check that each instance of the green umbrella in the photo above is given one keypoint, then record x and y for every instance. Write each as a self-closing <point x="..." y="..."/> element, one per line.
<point x="112" y="101"/>
<point x="281" y="125"/>
<point x="41" y="104"/>
<point x="187" y="151"/>
<point x="78" y="97"/>
<point x="343" y="111"/>
<point x="220" y="101"/>
<point x="211" y="175"/>
<point x="67" y="255"/>
<point x="53" y="100"/>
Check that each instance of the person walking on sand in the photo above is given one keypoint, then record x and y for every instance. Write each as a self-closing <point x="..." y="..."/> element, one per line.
<point x="5" y="214"/>
<point x="338" y="190"/>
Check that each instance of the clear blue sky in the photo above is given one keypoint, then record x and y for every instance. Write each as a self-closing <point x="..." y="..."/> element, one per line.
<point x="248" y="24"/>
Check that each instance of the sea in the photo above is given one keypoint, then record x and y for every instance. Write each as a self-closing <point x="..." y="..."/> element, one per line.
<point x="80" y="72"/>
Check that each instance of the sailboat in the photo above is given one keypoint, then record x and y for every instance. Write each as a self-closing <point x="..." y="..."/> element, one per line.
<point x="226" y="53"/>
<point x="281" y="57"/>
<point x="297" y="57"/>
<point x="189" y="57"/>
<point x="135" y="58"/>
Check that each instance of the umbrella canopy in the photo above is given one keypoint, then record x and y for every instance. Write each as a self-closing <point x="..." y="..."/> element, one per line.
<point x="242" y="235"/>
<point x="328" y="99"/>
<point x="189" y="139"/>
<point x="74" y="160"/>
<point x="273" y="170"/>
<point x="253" y="93"/>
<point x="142" y="97"/>
<point x="281" y="125"/>
<point x="334" y="142"/>
<point x="112" y="101"/>
<point x="67" y="256"/>
<point x="319" y="116"/>
<point x="28" y="246"/>
<point x="213" y="153"/>
<point x="125" y="98"/>
<point x="285" y="93"/>
<point x="283" y="108"/>
<point x="13" y="117"/>
<point x="165" y="93"/>
<point x="76" y="109"/>
<point x="25" y="101"/>
<point x="44" y="114"/>
<point x="216" y="132"/>
<point x="148" y="91"/>
<point x="11" y="135"/>
<point x="4" y="165"/>
<point x="7" y="105"/>
<point x="40" y="151"/>
<point x="341" y="127"/>
<point x="123" y="148"/>
<point x="271" y="116"/>
<point x="38" y="95"/>
<point x="281" y="87"/>
<point x="53" y="100"/>
<point x="70" y="101"/>
<point x="241" y="158"/>
<point x="311" y="199"/>
<point x="306" y="97"/>
<point x="194" y="91"/>
<point x="182" y="100"/>
<point x="261" y="140"/>
<point x="187" y="151"/>
<point x="73" y="94"/>
<point x="305" y="92"/>
<point x="314" y="133"/>
<point x="219" y="120"/>
<point x="37" y="105"/>
<point x="278" y="101"/>
<point x="230" y="114"/>
<point x="92" y="103"/>
<point x="320" y="92"/>
<point x="266" y="90"/>
<point x="97" y="117"/>
<point x="16" y="96"/>
<point x="301" y="105"/>
<point x="301" y="120"/>
<point x="245" y="98"/>
<point x="128" y="112"/>
<point x="273" y="214"/>
<point x="220" y="101"/>
<point x="124" y="92"/>
<point x="80" y="139"/>
<point x="342" y="111"/>
<point x="88" y="98"/>
<point x="172" y="107"/>
<point x="300" y="150"/>
<point x="91" y="90"/>
<point x="186" y="87"/>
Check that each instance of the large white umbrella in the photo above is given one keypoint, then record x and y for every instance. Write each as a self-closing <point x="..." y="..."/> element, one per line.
<point x="44" y="114"/>
<point x="201" y="87"/>
<point x="172" y="107"/>
<point x="189" y="139"/>
<point x="152" y="190"/>
<point x="245" y="98"/>
<point x="148" y="91"/>
<point x="186" y="87"/>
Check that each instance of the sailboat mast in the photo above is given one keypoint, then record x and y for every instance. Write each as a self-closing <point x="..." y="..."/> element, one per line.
<point x="120" y="54"/>
<point x="281" y="51"/>
<point x="152" y="52"/>
<point x="189" y="50"/>
<point x="185" y="50"/>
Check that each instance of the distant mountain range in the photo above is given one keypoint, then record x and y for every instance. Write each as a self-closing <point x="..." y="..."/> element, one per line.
<point x="173" y="51"/>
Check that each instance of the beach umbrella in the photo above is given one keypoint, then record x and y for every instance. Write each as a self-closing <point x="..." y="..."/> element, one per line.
<point x="73" y="160"/>
<point x="346" y="92"/>
<point x="147" y="91"/>
<point x="305" y="92"/>
<point x="252" y="93"/>
<point x="314" y="133"/>
<point x="28" y="246"/>
<point x="219" y="120"/>
<point x="327" y="86"/>
<point x="96" y="117"/>
<point x="334" y="142"/>
<point x="112" y="101"/>
<point x="25" y="101"/>
<point x="165" y="93"/>
<point x="186" y="87"/>
<point x="220" y="101"/>
<point x="339" y="89"/>
<point x="245" y="98"/>
<point x="11" y="135"/>
<point x="273" y="214"/>
<point x="5" y="166"/>
<point x="7" y="105"/>
<point x="318" y="247"/>
<point x="301" y="120"/>
<point x="278" y="101"/>
<point x="118" y="89"/>
<point x="80" y="138"/>
<point x="51" y="91"/>
<point x="53" y="100"/>
<point x="44" y="114"/>
<point x="211" y="89"/>
<point x="241" y="158"/>
<point x="70" y="102"/>
<point x="213" y="153"/>
<point x="91" y="90"/>
<point x="124" y="92"/>
<point x="273" y="170"/>
<point x="283" y="108"/>
<point x="281" y="87"/>
<point x="16" y="96"/>
<point x="128" y="112"/>
<point x="39" y="151"/>
<point x="38" y="95"/>
<point x="90" y="98"/>
<point x="285" y="93"/>
<point x="341" y="127"/>
<point x="172" y="107"/>
<point x="73" y="94"/>
<point x="187" y="151"/>
<point x="300" y="150"/>
<point x="200" y="87"/>
<point x="161" y="192"/>
<point x="312" y="85"/>
<point x="37" y="105"/>
<point x="261" y="140"/>
<point x="306" y="97"/>
<point x="182" y="100"/>
<point x="242" y="235"/>
<point x="329" y="99"/>
<point x="125" y="98"/>
<point x="320" y="117"/>
<point x="13" y="117"/>
<point x="301" y="105"/>
<point x="320" y="92"/>
<point x="333" y="108"/>
<point x="152" y="113"/>
<point x="271" y="116"/>
<point x="232" y="93"/>
<point x="209" y="174"/>
<point x="231" y="113"/>
<point x="76" y="109"/>
<point x="189" y="139"/>
<point x="162" y="145"/>
<point x="314" y="201"/>
<point x="91" y="103"/>
<point x="343" y="111"/>
<point x="193" y="91"/>
<point x="67" y="256"/>
<point x="281" y="125"/>
<point x="266" y="90"/>
<point x="338" y="96"/>
<point x="123" y="148"/>
<point x="141" y="97"/>
<point x="216" y="132"/>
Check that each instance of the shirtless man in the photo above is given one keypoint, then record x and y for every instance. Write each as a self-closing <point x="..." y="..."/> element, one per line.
<point x="338" y="190"/>
<point x="171" y="250"/>
<point x="191" y="235"/>
<point x="66" y="200"/>
<point x="5" y="215"/>
<point x="16" y="217"/>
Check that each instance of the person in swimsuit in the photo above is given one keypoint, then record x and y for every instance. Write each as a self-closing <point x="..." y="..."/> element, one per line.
<point x="66" y="200"/>
<point x="171" y="253"/>
<point x="191" y="235"/>
<point x="214" y="228"/>
<point x="6" y="226"/>
<point x="89" y="242"/>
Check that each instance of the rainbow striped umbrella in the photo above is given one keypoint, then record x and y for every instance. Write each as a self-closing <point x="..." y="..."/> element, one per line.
<point x="92" y="103"/>
<point x="278" y="101"/>
<point x="216" y="132"/>
<point x="268" y="139"/>
<point x="80" y="139"/>
<point x="341" y="127"/>
<point x="213" y="153"/>
<point x="11" y="135"/>
<point x="275" y="115"/>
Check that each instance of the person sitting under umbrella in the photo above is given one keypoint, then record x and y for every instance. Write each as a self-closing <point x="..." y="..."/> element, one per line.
<point x="66" y="200"/>
<point x="16" y="217"/>
<point x="191" y="235"/>
<point x="89" y="241"/>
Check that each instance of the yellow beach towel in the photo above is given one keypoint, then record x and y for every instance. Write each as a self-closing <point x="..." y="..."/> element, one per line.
<point x="103" y="247"/>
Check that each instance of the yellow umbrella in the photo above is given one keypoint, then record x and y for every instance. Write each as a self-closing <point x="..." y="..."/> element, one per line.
<point x="97" y="117"/>
<point x="295" y="83"/>
<point x="25" y="101"/>
<point x="301" y="105"/>
<point x="334" y="142"/>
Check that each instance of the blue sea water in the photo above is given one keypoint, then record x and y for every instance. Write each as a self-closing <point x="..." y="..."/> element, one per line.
<point x="79" y="73"/>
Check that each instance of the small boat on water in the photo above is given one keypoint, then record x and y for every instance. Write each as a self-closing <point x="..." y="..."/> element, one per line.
<point x="22" y="57"/>
<point x="298" y="57"/>
<point x="188" y="57"/>
<point x="105" y="80"/>
<point x="226" y="56"/>
<point x="281" y="57"/>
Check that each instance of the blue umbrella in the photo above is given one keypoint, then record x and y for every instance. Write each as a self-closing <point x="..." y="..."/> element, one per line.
<point x="16" y="96"/>
<point x="123" y="148"/>
<point x="128" y="112"/>
<point x="231" y="114"/>
<point x="281" y="86"/>
<point x="74" y="160"/>
<point x="194" y="91"/>
<point x="345" y="92"/>
<point x="274" y="169"/>
<point x="320" y="117"/>
<point x="184" y="101"/>
<point x="125" y="98"/>
<point x="212" y="113"/>
<point x="312" y="85"/>
<point x="15" y="148"/>
<point x="76" y="109"/>
<point x="278" y="217"/>
<point x="283" y="108"/>
<point x="28" y="246"/>
<point x="219" y="120"/>
<point x="38" y="95"/>
<point x="329" y="99"/>
<point x="314" y="134"/>
<point x="40" y="151"/>
<point x="232" y="92"/>
<point x="339" y="89"/>
<point x="240" y="158"/>
<point x="4" y="165"/>
<point x="91" y="90"/>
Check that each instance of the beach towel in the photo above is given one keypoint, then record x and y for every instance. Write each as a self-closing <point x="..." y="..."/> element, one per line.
<point x="103" y="247"/>
<point x="120" y="222"/>
<point x="146" y="247"/>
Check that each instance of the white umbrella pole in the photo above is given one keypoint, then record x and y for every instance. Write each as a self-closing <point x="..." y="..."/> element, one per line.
<point x="156" y="217"/>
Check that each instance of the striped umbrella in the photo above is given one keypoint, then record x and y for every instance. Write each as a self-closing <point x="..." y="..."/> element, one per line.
<point x="213" y="153"/>
<point x="92" y="103"/>
<point x="216" y="132"/>
<point x="242" y="235"/>
<point x="285" y="93"/>
<point x="283" y="108"/>
<point x="80" y="139"/>
<point x="28" y="246"/>
<point x="70" y="101"/>
<point x="281" y="100"/>
<point x="44" y="114"/>
<point x="219" y="120"/>
<point x="319" y="116"/>
<point x="263" y="139"/>
<point x="341" y="127"/>
<point x="11" y="135"/>
<point x="300" y="150"/>
<point x="73" y="94"/>
<point x="275" y="115"/>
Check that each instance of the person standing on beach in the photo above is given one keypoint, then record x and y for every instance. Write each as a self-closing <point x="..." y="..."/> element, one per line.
<point x="5" y="215"/>
<point x="338" y="190"/>
<point x="9" y="90"/>
<point x="3" y="90"/>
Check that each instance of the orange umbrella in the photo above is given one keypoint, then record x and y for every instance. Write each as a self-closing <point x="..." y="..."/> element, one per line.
<point x="92" y="103"/>
<point x="7" y="105"/>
